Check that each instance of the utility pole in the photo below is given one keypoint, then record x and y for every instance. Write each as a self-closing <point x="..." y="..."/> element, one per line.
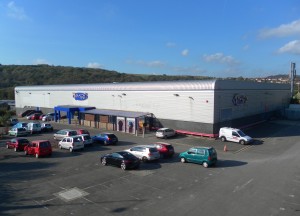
<point x="292" y="76"/>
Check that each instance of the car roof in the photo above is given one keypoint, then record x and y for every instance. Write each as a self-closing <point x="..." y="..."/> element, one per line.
<point x="40" y="141"/>
<point x="144" y="146"/>
<point x="162" y="143"/>
<point x="202" y="147"/>
<point x="163" y="128"/>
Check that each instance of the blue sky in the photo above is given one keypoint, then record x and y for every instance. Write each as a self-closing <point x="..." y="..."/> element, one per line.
<point x="219" y="38"/>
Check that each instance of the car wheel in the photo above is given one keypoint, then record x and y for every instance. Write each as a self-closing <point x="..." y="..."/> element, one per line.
<point x="123" y="166"/>
<point x="7" y="146"/>
<point x="15" y="149"/>
<point x="59" y="146"/>
<point x="105" y="142"/>
<point x="243" y="142"/>
<point x="25" y="152"/>
<point x="205" y="164"/>
<point x="183" y="160"/>
<point x="71" y="149"/>
<point x="144" y="159"/>
<point x="37" y="155"/>
<point x="103" y="161"/>
<point x="223" y="139"/>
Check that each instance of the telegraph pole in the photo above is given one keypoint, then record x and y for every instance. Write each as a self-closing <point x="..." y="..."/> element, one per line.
<point x="292" y="76"/>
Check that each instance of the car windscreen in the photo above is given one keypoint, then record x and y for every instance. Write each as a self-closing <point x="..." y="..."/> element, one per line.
<point x="127" y="155"/>
<point x="23" y="141"/>
<point x="44" y="144"/>
<point x="241" y="133"/>
<point x="169" y="147"/>
<point x="212" y="151"/>
<point x="111" y="135"/>
<point x="72" y="133"/>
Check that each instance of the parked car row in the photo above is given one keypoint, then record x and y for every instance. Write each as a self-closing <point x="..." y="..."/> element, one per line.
<point x="37" y="148"/>
<point x="24" y="128"/>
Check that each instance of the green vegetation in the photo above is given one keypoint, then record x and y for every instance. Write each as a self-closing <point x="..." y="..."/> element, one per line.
<point x="25" y="75"/>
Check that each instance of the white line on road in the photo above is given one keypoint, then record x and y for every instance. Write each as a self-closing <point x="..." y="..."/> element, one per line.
<point x="237" y="188"/>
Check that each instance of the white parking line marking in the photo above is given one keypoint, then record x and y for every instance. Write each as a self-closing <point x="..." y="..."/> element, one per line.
<point x="237" y="188"/>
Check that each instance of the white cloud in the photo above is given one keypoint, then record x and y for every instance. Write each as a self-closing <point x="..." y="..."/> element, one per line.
<point x="170" y="44"/>
<point x="185" y="52"/>
<point x="15" y="11"/>
<point x="283" y="30"/>
<point x="292" y="47"/>
<point x="220" y="58"/>
<point x="93" y="65"/>
<point x="40" y="61"/>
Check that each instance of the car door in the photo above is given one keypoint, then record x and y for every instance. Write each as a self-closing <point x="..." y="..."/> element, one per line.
<point x="200" y="156"/>
<point x="235" y="137"/>
<point x="31" y="149"/>
<point x="116" y="159"/>
<point x="136" y="151"/>
<point x="64" y="143"/>
<point x="191" y="155"/>
<point x="12" y="143"/>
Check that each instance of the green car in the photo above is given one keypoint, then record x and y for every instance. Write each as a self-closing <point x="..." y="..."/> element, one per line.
<point x="207" y="156"/>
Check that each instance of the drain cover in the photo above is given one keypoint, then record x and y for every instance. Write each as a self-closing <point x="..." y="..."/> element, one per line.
<point x="71" y="194"/>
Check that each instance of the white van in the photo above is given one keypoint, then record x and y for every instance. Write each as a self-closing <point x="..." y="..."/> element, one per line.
<point x="234" y="135"/>
<point x="33" y="127"/>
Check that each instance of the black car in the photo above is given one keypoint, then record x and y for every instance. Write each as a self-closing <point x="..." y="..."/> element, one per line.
<point x="122" y="159"/>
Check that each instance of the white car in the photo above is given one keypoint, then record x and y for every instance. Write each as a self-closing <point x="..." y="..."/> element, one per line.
<point x="165" y="133"/>
<point x="71" y="143"/>
<point x="144" y="152"/>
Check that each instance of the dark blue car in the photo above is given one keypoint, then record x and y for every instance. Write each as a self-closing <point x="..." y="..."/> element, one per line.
<point x="106" y="138"/>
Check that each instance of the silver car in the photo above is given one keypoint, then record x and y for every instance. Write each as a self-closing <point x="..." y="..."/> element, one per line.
<point x="59" y="135"/>
<point x="144" y="152"/>
<point x="71" y="143"/>
<point x="165" y="133"/>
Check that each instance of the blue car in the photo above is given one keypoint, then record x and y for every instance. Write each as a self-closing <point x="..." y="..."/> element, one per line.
<point x="105" y="138"/>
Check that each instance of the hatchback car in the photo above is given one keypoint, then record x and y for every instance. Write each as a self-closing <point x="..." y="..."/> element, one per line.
<point x="207" y="156"/>
<point x="106" y="138"/>
<point x="122" y="159"/>
<point x="164" y="149"/>
<point x="17" y="144"/>
<point x="145" y="152"/>
<point x="38" y="148"/>
<point x="46" y="127"/>
<point x="165" y="133"/>
<point x="59" y="135"/>
<point x="71" y="143"/>
<point x="87" y="139"/>
<point x="18" y="132"/>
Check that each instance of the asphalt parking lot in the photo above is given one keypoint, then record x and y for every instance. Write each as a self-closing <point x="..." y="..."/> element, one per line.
<point x="77" y="184"/>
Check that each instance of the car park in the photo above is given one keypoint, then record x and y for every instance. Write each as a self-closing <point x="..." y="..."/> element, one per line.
<point x="122" y="159"/>
<point x="17" y="144"/>
<point x="87" y="139"/>
<point x="234" y="135"/>
<point x="164" y="149"/>
<point x="207" y="156"/>
<point x="145" y="152"/>
<point x="18" y="132"/>
<point x="165" y="133"/>
<point x="71" y="143"/>
<point x="38" y="148"/>
<point x="59" y="135"/>
<point x="106" y="138"/>
<point x="46" y="127"/>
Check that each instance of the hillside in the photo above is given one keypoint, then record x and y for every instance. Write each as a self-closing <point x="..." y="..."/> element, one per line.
<point x="23" y="75"/>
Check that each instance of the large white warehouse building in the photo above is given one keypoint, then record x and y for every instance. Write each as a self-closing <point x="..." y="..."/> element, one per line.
<point x="194" y="106"/>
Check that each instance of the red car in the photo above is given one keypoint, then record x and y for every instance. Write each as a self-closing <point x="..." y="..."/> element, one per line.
<point x="38" y="148"/>
<point x="35" y="116"/>
<point x="17" y="144"/>
<point x="165" y="149"/>
<point x="82" y="131"/>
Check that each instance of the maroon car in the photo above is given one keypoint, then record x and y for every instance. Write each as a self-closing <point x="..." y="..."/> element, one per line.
<point x="164" y="149"/>
<point x="17" y="144"/>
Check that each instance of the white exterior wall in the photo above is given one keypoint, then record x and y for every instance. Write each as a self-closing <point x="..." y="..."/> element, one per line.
<point x="163" y="104"/>
<point x="258" y="101"/>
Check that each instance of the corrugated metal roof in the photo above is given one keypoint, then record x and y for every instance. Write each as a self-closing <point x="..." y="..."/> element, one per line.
<point x="122" y="113"/>
<point x="192" y="85"/>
